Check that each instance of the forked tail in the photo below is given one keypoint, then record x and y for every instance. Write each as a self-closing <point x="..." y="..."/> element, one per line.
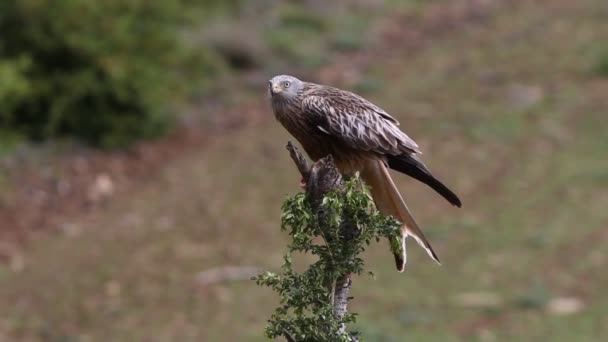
<point x="389" y="202"/>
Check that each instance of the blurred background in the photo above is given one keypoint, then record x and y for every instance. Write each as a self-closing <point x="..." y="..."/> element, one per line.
<point x="138" y="152"/>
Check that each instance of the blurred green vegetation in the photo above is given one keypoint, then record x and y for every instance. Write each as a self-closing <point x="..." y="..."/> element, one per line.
<point x="104" y="72"/>
<point x="113" y="72"/>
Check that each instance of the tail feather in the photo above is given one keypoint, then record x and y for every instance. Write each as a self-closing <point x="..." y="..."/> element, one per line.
<point x="389" y="202"/>
<point x="413" y="167"/>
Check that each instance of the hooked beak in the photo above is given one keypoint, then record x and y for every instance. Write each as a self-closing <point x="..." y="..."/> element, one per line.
<point x="274" y="88"/>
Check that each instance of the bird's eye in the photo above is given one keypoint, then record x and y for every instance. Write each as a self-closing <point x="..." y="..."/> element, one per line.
<point x="286" y="84"/>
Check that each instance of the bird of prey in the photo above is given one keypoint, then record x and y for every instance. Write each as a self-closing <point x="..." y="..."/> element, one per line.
<point x="361" y="137"/>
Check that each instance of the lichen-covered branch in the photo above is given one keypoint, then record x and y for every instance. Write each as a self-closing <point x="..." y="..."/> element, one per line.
<point x="341" y="291"/>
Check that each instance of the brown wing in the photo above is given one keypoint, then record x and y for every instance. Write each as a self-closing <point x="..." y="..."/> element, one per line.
<point x="355" y="121"/>
<point x="363" y="126"/>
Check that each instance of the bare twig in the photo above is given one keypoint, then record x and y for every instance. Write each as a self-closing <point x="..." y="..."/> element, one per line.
<point x="299" y="160"/>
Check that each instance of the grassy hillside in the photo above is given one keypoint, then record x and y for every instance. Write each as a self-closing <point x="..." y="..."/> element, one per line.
<point x="509" y="111"/>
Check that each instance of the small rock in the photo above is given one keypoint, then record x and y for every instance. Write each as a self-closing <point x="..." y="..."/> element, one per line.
<point x="564" y="306"/>
<point x="102" y="188"/>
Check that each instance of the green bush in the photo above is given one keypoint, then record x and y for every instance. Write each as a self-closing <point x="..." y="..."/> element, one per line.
<point x="101" y="71"/>
<point x="336" y="231"/>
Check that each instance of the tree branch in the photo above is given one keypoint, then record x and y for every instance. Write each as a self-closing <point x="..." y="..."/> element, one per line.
<point x="341" y="291"/>
<point x="321" y="178"/>
<point x="288" y="337"/>
<point x="299" y="160"/>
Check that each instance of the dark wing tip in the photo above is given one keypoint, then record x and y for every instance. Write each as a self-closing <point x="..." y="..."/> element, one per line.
<point x="412" y="167"/>
<point x="452" y="198"/>
<point x="458" y="203"/>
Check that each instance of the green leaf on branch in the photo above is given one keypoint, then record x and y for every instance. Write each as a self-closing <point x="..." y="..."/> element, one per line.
<point x="306" y="310"/>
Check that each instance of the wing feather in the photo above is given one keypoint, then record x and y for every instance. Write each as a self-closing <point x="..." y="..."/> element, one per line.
<point x="356" y="122"/>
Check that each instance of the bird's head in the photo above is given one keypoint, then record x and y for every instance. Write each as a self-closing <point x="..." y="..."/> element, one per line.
<point x="284" y="87"/>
